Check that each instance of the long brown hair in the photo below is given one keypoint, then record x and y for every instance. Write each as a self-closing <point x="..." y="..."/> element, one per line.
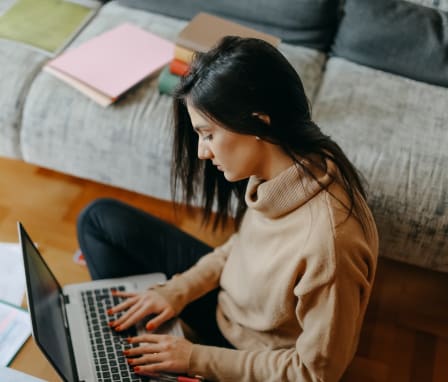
<point x="228" y="84"/>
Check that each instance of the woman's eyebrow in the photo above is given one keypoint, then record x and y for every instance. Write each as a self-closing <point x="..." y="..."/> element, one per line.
<point x="201" y="126"/>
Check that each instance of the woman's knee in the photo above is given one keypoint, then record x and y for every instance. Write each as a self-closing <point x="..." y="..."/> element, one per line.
<point x="98" y="211"/>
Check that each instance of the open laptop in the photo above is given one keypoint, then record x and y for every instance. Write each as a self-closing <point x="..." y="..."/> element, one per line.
<point x="70" y="323"/>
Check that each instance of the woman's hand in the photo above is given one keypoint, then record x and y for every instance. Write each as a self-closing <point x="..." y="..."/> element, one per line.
<point x="159" y="353"/>
<point x="138" y="306"/>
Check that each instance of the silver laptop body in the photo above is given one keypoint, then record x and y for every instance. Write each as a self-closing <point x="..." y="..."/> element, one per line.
<point x="70" y="341"/>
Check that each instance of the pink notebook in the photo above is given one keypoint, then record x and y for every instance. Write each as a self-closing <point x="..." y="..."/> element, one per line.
<point x="116" y="60"/>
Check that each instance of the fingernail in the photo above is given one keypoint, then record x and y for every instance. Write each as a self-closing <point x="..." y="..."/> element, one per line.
<point x="129" y="361"/>
<point x="111" y="324"/>
<point x="129" y="339"/>
<point x="110" y="311"/>
<point x="126" y="352"/>
<point x="136" y="369"/>
<point x="149" y="326"/>
<point x="118" y="328"/>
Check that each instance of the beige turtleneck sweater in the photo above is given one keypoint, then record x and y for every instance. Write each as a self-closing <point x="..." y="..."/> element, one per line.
<point x="294" y="284"/>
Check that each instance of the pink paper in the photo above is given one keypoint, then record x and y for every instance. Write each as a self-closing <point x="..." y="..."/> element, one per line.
<point x="116" y="60"/>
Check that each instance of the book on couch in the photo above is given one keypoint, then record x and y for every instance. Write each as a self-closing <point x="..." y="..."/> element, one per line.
<point x="203" y="32"/>
<point x="108" y="65"/>
<point x="45" y="25"/>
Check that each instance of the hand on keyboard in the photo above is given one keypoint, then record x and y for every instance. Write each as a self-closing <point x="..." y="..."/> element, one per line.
<point x="159" y="353"/>
<point x="137" y="306"/>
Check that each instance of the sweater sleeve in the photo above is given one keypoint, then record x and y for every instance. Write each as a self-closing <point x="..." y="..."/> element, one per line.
<point x="330" y="316"/>
<point x="198" y="280"/>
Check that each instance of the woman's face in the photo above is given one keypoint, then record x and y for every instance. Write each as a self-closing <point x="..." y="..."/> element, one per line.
<point x="238" y="156"/>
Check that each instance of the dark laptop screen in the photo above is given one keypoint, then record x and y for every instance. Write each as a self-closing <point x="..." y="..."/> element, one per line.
<point x="45" y="307"/>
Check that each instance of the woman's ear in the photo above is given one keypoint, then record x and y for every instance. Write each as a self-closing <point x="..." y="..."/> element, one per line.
<point x="262" y="117"/>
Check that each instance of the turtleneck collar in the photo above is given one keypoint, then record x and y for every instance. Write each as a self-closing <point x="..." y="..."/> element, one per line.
<point x="288" y="190"/>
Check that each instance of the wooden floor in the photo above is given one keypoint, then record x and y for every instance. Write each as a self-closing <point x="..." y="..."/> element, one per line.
<point x="405" y="334"/>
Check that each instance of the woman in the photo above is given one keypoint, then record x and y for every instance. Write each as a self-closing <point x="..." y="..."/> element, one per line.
<point x="284" y="298"/>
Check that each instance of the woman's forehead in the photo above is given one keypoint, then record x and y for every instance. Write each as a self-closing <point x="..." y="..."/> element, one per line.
<point x="197" y="118"/>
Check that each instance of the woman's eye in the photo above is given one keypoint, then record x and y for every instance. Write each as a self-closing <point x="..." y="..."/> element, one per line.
<point x="208" y="137"/>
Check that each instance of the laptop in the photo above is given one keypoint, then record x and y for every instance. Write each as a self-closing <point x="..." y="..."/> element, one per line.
<point x="69" y="324"/>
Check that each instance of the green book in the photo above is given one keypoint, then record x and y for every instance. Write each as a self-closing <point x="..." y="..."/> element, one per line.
<point x="168" y="81"/>
<point x="48" y="25"/>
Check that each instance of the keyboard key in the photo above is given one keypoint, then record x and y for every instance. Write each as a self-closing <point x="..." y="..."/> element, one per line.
<point x="107" y="345"/>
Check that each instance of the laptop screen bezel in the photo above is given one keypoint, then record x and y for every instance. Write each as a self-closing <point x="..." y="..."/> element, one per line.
<point x="23" y="237"/>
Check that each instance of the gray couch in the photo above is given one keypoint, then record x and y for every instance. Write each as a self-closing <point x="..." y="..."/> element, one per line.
<point x="376" y="73"/>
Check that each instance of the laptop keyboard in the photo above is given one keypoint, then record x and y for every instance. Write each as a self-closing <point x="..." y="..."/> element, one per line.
<point x="107" y="344"/>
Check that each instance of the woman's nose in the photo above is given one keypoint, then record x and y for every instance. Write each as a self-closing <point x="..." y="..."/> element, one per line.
<point x="203" y="151"/>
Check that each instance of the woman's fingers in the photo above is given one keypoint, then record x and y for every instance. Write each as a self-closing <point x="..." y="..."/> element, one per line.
<point x="153" y="368"/>
<point x="142" y="350"/>
<point x="133" y="315"/>
<point x="138" y="312"/>
<point x="159" y="352"/>
<point x="117" y="293"/>
<point x="131" y="300"/>
<point x="137" y="307"/>
<point x="158" y="320"/>
<point x="148" y="339"/>
<point x="148" y="353"/>
<point x="147" y="358"/>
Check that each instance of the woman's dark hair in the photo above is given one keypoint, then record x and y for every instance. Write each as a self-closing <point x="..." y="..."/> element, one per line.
<point x="228" y="84"/>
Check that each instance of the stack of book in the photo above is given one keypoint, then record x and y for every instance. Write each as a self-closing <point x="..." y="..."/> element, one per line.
<point x="202" y="33"/>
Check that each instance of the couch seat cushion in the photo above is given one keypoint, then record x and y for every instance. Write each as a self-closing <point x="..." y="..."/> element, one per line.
<point x="129" y="143"/>
<point x="19" y="65"/>
<point x="395" y="130"/>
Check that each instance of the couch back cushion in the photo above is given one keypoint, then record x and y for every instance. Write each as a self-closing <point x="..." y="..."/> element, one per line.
<point x="436" y="4"/>
<point x="409" y="38"/>
<point x="310" y="23"/>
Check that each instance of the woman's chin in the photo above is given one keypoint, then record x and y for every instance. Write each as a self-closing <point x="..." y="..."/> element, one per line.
<point x="232" y="177"/>
<point x="228" y="176"/>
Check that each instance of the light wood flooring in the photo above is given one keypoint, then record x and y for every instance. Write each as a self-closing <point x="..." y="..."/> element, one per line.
<point x="405" y="333"/>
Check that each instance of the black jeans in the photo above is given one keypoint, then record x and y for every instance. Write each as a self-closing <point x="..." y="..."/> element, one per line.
<point x="119" y="240"/>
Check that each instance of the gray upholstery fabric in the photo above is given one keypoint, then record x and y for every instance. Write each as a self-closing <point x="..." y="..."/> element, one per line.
<point x="310" y="23"/>
<point x="436" y="4"/>
<point x="396" y="36"/>
<point x="129" y="143"/>
<point x="393" y="128"/>
<point x="19" y="65"/>
<point x="396" y="132"/>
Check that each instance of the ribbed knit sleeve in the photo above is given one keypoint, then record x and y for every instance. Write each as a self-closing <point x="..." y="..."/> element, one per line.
<point x="198" y="280"/>
<point x="330" y="316"/>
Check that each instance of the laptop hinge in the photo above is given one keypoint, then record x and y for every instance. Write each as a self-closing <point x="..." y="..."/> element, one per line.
<point x="66" y="298"/>
<point x="62" y="301"/>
